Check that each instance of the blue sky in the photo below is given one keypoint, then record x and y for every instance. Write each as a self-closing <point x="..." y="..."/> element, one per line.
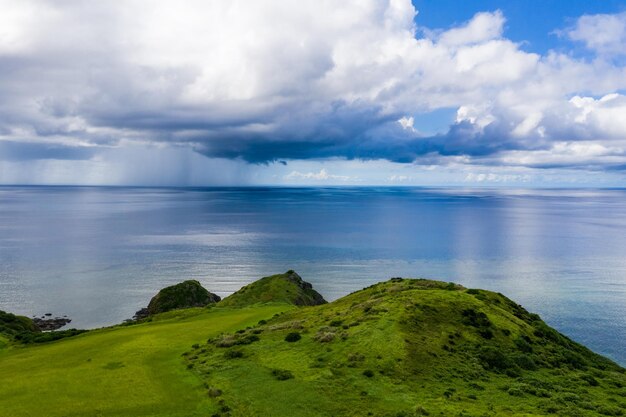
<point x="517" y="93"/>
<point x="532" y="22"/>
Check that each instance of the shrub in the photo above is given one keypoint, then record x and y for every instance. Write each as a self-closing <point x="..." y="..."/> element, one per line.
<point x="225" y="341"/>
<point x="249" y="339"/>
<point x="368" y="373"/>
<point x="486" y="334"/>
<point x="214" y="392"/>
<point x="293" y="337"/>
<point x="590" y="380"/>
<point x="421" y="411"/>
<point x="516" y="392"/>
<point x="567" y="397"/>
<point x="324" y="337"/>
<point x="523" y="345"/>
<point x="476" y="319"/>
<point x="448" y="393"/>
<point x="608" y="410"/>
<point x="356" y="357"/>
<point x="282" y="374"/>
<point x="233" y="354"/>
<point x="29" y="337"/>
<point x="524" y="362"/>
<point x="494" y="359"/>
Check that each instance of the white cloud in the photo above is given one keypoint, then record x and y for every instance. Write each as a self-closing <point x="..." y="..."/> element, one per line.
<point x="399" y="178"/>
<point x="603" y="33"/>
<point x="490" y="177"/>
<point x="483" y="27"/>
<point x="604" y="117"/>
<point x="278" y="80"/>
<point x="407" y="123"/>
<point x="584" y="154"/>
<point x="322" y="175"/>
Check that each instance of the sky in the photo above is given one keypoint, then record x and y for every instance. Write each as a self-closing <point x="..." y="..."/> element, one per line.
<point x="369" y="92"/>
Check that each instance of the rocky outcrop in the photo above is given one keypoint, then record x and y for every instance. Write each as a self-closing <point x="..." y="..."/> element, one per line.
<point x="184" y="295"/>
<point x="48" y="323"/>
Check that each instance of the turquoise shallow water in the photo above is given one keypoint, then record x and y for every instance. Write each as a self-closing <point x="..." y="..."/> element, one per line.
<point x="98" y="254"/>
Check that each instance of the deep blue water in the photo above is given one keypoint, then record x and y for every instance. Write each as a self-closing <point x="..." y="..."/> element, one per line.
<point x="99" y="254"/>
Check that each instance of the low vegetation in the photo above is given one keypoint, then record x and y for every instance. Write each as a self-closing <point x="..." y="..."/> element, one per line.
<point x="22" y="330"/>
<point x="408" y="348"/>
<point x="184" y="295"/>
<point x="398" y="348"/>
<point x="287" y="288"/>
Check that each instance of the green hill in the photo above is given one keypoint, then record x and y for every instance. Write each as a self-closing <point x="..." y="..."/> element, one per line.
<point x="286" y="288"/>
<point x="183" y="295"/>
<point x="12" y="325"/>
<point x="398" y="348"/>
<point x="406" y="348"/>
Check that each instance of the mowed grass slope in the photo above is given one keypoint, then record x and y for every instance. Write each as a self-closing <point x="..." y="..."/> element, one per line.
<point x="122" y="371"/>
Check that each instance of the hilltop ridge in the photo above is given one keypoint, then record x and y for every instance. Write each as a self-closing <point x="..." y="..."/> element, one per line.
<point x="408" y="347"/>
<point x="287" y="288"/>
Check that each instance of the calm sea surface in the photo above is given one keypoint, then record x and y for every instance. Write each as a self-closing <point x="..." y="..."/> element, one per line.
<point x="99" y="254"/>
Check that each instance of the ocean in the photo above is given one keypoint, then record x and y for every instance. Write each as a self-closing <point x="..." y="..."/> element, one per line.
<point x="98" y="254"/>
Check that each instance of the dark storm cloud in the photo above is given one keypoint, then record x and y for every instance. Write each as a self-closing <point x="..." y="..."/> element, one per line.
<point x="26" y="151"/>
<point x="367" y="136"/>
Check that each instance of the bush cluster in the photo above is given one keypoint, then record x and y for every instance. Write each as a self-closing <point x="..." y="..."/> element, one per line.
<point x="282" y="374"/>
<point x="293" y="337"/>
<point x="233" y="354"/>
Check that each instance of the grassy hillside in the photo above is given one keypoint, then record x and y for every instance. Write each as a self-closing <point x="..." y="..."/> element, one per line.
<point x="20" y="329"/>
<point x="399" y="348"/>
<point x="405" y="348"/>
<point x="12" y="325"/>
<point x="123" y="371"/>
<point x="284" y="288"/>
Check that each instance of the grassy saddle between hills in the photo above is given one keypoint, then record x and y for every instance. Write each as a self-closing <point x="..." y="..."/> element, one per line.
<point x="399" y="348"/>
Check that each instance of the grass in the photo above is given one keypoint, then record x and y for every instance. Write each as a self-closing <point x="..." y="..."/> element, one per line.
<point x="285" y="288"/>
<point x="399" y="348"/>
<point x="183" y="295"/>
<point x="406" y="348"/>
<point x="123" y="371"/>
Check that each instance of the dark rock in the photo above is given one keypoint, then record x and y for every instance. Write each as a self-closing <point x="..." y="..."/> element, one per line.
<point x="310" y="297"/>
<point x="56" y="323"/>
<point x="141" y="314"/>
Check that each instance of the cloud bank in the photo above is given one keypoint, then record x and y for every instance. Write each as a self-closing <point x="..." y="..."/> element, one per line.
<point x="270" y="81"/>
